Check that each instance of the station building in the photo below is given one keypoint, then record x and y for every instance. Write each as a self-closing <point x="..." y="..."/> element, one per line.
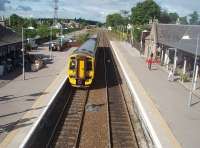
<point x="10" y="47"/>
<point x="174" y="46"/>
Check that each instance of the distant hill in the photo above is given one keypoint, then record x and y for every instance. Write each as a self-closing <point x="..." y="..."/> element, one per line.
<point x="79" y="20"/>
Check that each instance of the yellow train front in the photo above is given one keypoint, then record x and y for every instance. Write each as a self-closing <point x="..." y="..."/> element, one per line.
<point x="81" y="65"/>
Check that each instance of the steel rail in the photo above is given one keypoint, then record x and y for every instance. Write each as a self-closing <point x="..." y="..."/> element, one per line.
<point x="37" y="123"/>
<point x="122" y="93"/>
<point x="123" y="101"/>
<point x="81" y="115"/>
<point x="108" y="115"/>
<point x="59" y="119"/>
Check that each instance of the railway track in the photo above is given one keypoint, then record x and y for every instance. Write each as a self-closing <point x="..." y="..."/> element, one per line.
<point x="122" y="132"/>
<point x="95" y="131"/>
<point x="66" y="133"/>
<point x="109" y="125"/>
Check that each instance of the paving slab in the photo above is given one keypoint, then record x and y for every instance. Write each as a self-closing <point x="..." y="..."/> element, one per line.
<point x="23" y="101"/>
<point x="170" y="99"/>
<point x="20" y="97"/>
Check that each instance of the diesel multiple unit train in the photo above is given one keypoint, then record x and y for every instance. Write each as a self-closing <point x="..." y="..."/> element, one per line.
<point x="81" y="64"/>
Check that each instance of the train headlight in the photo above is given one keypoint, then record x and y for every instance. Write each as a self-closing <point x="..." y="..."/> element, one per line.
<point x="88" y="77"/>
<point x="72" y="76"/>
<point x="90" y="73"/>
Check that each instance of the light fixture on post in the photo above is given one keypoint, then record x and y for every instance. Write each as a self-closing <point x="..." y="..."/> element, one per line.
<point x="141" y="40"/>
<point x="129" y="27"/>
<point x="23" y="60"/>
<point x="23" y="50"/>
<point x="51" y="44"/>
<point x="194" y="69"/>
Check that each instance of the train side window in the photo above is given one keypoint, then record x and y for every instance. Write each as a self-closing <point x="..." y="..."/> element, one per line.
<point x="72" y="64"/>
<point x="89" y="65"/>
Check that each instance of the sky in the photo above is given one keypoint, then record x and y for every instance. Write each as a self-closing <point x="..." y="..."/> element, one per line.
<point x="88" y="9"/>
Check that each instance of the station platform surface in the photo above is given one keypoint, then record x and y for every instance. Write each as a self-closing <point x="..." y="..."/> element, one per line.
<point x="22" y="101"/>
<point x="165" y="104"/>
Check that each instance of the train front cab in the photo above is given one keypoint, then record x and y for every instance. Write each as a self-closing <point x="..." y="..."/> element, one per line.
<point x="81" y="71"/>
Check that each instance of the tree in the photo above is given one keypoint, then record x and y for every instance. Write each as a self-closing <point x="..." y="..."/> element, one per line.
<point x="173" y="17"/>
<point x="144" y="11"/>
<point x="99" y="24"/>
<point x="114" y="20"/>
<point x="125" y="15"/>
<point x="16" y="21"/>
<point x="164" y="17"/>
<point x="33" y="23"/>
<point x="194" y="18"/>
<point x="183" y="20"/>
<point x="43" y="31"/>
<point x="30" y="33"/>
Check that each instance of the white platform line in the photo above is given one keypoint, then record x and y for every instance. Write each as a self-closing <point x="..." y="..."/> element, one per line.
<point x="139" y="104"/>
<point x="35" y="125"/>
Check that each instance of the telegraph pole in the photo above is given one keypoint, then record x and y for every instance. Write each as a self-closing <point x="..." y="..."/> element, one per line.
<point x="23" y="58"/>
<point x="55" y="12"/>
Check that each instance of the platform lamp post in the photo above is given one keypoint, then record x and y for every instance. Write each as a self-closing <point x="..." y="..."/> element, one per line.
<point x="120" y="32"/>
<point x="194" y="70"/>
<point x="129" y="28"/>
<point x="61" y="39"/>
<point x="124" y="31"/>
<point x="132" y="35"/>
<point x="122" y="28"/>
<point x="51" y="34"/>
<point x="23" y="50"/>
<point x="175" y="61"/>
<point x="23" y="61"/>
<point x="141" y="40"/>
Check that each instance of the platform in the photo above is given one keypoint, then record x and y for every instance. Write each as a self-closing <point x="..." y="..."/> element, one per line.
<point x="163" y="104"/>
<point x="23" y="101"/>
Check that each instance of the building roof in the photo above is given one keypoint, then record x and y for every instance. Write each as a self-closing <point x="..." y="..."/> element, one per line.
<point x="171" y="35"/>
<point x="7" y="36"/>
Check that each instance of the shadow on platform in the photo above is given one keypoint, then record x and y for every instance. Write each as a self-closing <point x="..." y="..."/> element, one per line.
<point x="15" y="125"/>
<point x="24" y="111"/>
<point x="11" y="97"/>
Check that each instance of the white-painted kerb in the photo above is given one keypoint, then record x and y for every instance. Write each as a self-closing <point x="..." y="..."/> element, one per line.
<point x="139" y="104"/>
<point x="35" y="125"/>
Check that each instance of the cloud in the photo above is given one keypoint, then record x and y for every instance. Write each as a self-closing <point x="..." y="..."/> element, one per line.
<point x="182" y="7"/>
<point x="24" y="8"/>
<point x="93" y="9"/>
<point x="88" y="9"/>
<point x="3" y="4"/>
<point x="29" y="0"/>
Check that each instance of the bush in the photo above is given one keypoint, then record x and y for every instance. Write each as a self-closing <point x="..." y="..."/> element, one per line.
<point x="184" y="77"/>
<point x="28" y="47"/>
<point x="81" y="39"/>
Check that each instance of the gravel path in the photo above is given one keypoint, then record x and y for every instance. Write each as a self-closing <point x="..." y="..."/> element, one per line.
<point x="95" y="124"/>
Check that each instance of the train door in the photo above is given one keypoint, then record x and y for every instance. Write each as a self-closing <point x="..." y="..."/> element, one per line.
<point x="81" y="68"/>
